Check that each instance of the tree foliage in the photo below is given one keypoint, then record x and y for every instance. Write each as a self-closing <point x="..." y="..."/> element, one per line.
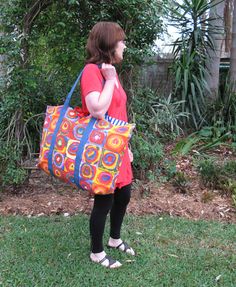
<point x="44" y="45"/>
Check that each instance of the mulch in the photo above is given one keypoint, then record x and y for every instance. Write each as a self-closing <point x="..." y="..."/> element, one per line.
<point x="45" y="196"/>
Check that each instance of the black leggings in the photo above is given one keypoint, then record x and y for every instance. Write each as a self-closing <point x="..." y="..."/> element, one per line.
<point x="115" y="203"/>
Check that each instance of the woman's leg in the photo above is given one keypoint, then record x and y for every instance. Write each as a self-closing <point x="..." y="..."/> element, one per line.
<point x="120" y="203"/>
<point x="102" y="205"/>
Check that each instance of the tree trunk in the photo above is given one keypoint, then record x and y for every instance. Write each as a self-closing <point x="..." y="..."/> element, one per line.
<point x="233" y="52"/>
<point x="213" y="63"/>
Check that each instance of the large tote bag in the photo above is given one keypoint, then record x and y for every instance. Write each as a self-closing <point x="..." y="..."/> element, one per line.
<point x="82" y="150"/>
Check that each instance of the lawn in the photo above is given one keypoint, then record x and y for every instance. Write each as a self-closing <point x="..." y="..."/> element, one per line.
<point x="53" y="251"/>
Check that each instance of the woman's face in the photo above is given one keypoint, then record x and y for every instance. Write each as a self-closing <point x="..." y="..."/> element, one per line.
<point x="119" y="51"/>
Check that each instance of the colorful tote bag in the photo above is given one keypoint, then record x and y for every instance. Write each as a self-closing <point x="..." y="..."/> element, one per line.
<point x="82" y="150"/>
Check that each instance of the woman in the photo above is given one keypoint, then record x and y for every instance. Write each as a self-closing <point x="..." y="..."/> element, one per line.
<point x="102" y="93"/>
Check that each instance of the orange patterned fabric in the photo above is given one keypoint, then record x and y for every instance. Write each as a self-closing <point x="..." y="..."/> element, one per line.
<point x="102" y="154"/>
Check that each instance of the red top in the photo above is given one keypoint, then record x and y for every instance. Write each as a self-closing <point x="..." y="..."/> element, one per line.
<point x="91" y="81"/>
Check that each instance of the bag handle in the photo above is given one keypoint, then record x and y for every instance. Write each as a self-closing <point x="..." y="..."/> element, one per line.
<point x="68" y="98"/>
<point x="61" y="117"/>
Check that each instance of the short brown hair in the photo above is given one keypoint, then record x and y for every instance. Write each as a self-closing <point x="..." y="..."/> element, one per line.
<point x="102" y="42"/>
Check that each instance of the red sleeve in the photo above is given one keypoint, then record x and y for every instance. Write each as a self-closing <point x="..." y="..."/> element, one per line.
<point x="91" y="80"/>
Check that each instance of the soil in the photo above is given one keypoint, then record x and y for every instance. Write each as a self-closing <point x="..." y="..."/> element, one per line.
<point x="44" y="195"/>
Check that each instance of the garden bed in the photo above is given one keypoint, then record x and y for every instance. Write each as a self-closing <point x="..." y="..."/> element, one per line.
<point x="44" y="195"/>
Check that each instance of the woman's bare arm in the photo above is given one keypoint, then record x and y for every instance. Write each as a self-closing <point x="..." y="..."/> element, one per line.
<point x="98" y="103"/>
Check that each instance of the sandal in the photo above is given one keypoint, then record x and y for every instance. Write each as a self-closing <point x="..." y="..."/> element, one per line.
<point x="111" y="262"/>
<point x="124" y="247"/>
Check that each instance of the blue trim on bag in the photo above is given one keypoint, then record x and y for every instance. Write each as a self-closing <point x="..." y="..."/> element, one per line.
<point x="78" y="157"/>
<point x="115" y="121"/>
<point x="61" y="117"/>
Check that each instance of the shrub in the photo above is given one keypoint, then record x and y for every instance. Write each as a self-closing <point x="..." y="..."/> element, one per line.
<point x="10" y="168"/>
<point x="148" y="153"/>
<point x="157" y="120"/>
<point x="218" y="175"/>
<point x="209" y="172"/>
<point x="180" y="182"/>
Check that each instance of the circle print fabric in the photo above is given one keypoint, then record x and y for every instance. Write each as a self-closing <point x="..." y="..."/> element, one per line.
<point x="50" y="110"/>
<point x="97" y="137"/>
<point x="85" y="184"/>
<point x="104" y="177"/>
<point x="115" y="143"/>
<point x="48" y="140"/>
<point x="71" y="114"/>
<point x="58" y="160"/>
<point x="72" y="148"/>
<point x="92" y="154"/>
<point x="110" y="160"/>
<point x="69" y="165"/>
<point x="78" y="132"/>
<point x="87" y="171"/>
<point x="65" y="126"/>
<point x="53" y="124"/>
<point x="122" y="130"/>
<point x="103" y="124"/>
<point x="61" y="143"/>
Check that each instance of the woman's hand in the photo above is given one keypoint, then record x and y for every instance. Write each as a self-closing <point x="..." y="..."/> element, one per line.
<point x="109" y="72"/>
<point x="131" y="157"/>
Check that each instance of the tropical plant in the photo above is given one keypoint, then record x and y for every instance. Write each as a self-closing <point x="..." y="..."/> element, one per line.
<point x="223" y="15"/>
<point x="167" y="117"/>
<point x="190" y="52"/>
<point x="209" y="172"/>
<point x="11" y="172"/>
<point x="207" y="138"/>
<point x="155" y="114"/>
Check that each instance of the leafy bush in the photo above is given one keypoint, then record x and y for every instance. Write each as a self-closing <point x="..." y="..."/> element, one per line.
<point x="157" y="120"/>
<point x="218" y="175"/>
<point x="11" y="172"/>
<point x="168" y="169"/>
<point x="44" y="49"/>
<point x="148" y="153"/>
<point x="209" y="172"/>
<point x="230" y="167"/>
<point x="180" y="182"/>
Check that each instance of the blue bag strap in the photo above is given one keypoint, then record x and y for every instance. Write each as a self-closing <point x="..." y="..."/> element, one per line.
<point x="61" y="117"/>
<point x="80" y="150"/>
<point x="84" y="138"/>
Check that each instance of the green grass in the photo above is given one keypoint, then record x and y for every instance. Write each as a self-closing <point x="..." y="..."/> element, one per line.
<point x="53" y="251"/>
